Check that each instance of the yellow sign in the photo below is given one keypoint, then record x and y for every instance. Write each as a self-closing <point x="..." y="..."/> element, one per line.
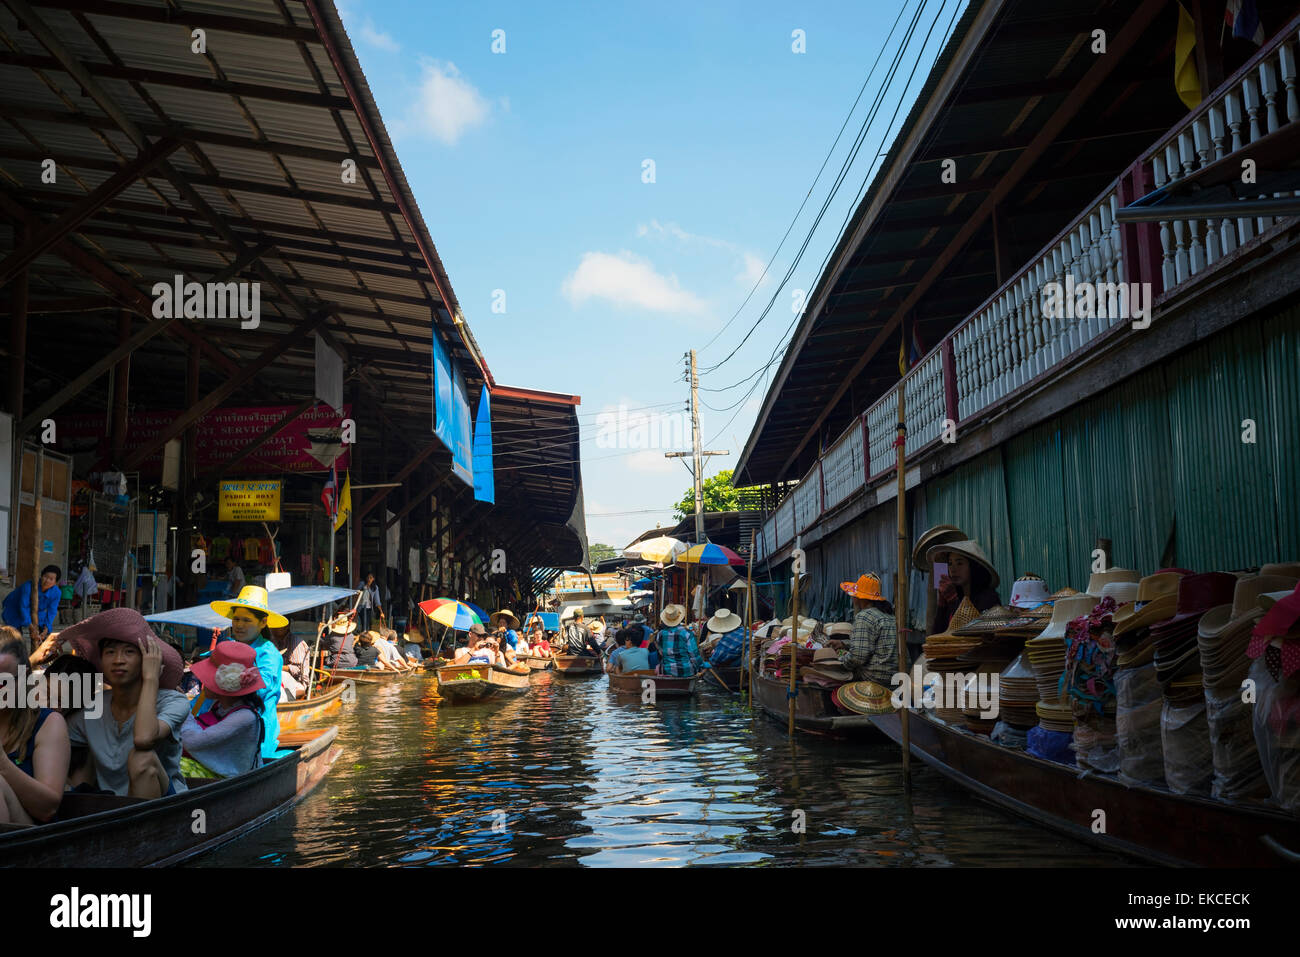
<point x="251" y="501"/>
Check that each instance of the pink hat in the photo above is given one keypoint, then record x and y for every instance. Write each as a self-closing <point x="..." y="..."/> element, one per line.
<point x="122" y="624"/>
<point x="231" y="670"/>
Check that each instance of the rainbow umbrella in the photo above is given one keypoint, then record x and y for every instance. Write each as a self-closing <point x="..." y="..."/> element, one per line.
<point x="448" y="611"/>
<point x="709" y="554"/>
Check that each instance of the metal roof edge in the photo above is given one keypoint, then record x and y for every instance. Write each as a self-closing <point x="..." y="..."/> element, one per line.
<point x="966" y="39"/>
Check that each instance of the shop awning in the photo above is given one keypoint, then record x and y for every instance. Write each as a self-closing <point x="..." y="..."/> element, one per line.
<point x="284" y="601"/>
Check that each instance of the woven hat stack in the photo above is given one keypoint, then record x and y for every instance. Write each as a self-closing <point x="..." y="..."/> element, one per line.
<point x="1223" y="633"/>
<point x="973" y="713"/>
<point x="1018" y="694"/>
<point x="943" y="653"/>
<point x="1002" y="632"/>
<point x="1100" y="580"/>
<point x="1046" y="653"/>
<point x="1178" y="662"/>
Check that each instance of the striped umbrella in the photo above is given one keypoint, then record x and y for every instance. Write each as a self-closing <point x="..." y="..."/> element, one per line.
<point x="709" y="554"/>
<point x="448" y="611"/>
<point x="661" y="549"/>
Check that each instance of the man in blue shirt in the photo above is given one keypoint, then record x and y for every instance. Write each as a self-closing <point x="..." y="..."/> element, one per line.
<point x="17" y="611"/>
<point x="629" y="655"/>
<point x="727" y="652"/>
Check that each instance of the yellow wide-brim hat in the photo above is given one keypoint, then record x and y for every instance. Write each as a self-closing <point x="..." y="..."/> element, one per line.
<point x="251" y="598"/>
<point x="509" y="614"/>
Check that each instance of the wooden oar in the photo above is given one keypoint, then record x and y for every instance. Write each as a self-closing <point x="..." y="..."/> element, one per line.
<point x="717" y="677"/>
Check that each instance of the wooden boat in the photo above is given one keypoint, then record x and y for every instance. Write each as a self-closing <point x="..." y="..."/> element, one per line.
<point x="488" y="682"/>
<point x="731" y="675"/>
<point x="537" y="662"/>
<point x="579" y="665"/>
<point x="103" y="830"/>
<point x="324" y="701"/>
<point x="1145" y="822"/>
<point x="370" y="676"/>
<point x="813" y="708"/>
<point x="666" y="686"/>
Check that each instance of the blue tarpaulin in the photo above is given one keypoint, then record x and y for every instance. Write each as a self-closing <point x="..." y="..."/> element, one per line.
<point x="550" y="620"/>
<point x="284" y="601"/>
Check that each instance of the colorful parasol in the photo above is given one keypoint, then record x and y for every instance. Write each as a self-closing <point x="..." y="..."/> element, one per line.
<point x="709" y="554"/>
<point x="661" y="549"/>
<point x="450" y="612"/>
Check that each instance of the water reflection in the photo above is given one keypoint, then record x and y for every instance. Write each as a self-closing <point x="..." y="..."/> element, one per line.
<point x="572" y="774"/>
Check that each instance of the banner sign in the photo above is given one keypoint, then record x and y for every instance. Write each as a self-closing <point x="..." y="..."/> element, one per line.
<point x="484" y="485"/>
<point x="248" y="501"/>
<point x="442" y="402"/>
<point x="462" y="433"/>
<point x="304" y="445"/>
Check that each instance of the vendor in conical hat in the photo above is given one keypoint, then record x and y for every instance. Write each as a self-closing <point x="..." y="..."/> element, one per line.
<point x="250" y="613"/>
<point x="971" y="575"/>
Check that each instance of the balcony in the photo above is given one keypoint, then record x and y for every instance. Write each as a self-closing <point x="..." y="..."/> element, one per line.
<point x="1011" y="344"/>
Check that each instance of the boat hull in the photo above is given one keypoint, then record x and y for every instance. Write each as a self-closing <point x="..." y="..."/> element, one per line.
<point x="491" y="683"/>
<point x="578" y="665"/>
<point x="537" y="663"/>
<point x="1148" y="823"/>
<point x="665" y="686"/>
<point x="813" y="709"/>
<point x="110" y="831"/>
<point x="303" y="712"/>
<point x="370" y="676"/>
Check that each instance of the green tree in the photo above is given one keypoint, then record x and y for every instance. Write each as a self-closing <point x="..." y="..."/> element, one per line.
<point x="719" y="496"/>
<point x="598" y="552"/>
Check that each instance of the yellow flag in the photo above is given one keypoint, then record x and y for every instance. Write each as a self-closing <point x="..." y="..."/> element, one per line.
<point x="1186" y="82"/>
<point x="345" y="503"/>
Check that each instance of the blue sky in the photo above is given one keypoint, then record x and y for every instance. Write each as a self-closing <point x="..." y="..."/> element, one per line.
<point x="529" y="169"/>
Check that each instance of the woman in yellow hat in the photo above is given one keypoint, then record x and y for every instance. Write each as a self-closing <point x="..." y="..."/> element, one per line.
<point x="872" y="650"/>
<point x="249" y="613"/>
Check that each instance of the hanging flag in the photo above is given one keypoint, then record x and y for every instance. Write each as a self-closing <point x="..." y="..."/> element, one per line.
<point x="1242" y="18"/>
<point x="902" y="347"/>
<point x="345" y="502"/>
<point x="327" y="493"/>
<point x="916" y="345"/>
<point x="1186" y="82"/>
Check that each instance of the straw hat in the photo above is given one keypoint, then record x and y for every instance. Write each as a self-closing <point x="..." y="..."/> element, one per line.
<point x="970" y="550"/>
<point x="1066" y="592"/>
<point x="863" y="697"/>
<point x="1065" y="611"/>
<point x="1245" y="608"/>
<point x="804" y="622"/>
<point x="1157" y="599"/>
<point x="866" y="587"/>
<point x="509" y="614"/>
<point x="1029" y="591"/>
<point x="724" y="621"/>
<point x="997" y="618"/>
<point x="1100" y="580"/>
<point x="251" y="598"/>
<point x="936" y="535"/>
<point x="672" y="615"/>
<point x="342" y="625"/>
<point x="231" y="670"/>
<point x="1122" y="592"/>
<point x="838" y="628"/>
<point x="1285" y="569"/>
<point x="122" y="624"/>
<point x="827" y="663"/>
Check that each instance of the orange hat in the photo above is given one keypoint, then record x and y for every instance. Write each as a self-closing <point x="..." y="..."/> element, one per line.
<point x="867" y="586"/>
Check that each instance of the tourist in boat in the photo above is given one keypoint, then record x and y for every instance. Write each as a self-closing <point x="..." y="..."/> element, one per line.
<point x="577" y="639"/>
<point x="291" y="688"/>
<point x="537" y="640"/>
<point x="629" y="656"/>
<point x="17" y="608"/>
<point x="339" y="645"/>
<point x="411" y="646"/>
<point x="226" y="739"/>
<point x="872" y="650"/>
<point x="971" y="575"/>
<point x="249" y="613"/>
<point x="506" y="623"/>
<point x="367" y="653"/>
<point x="726" y="624"/>
<point x="678" y="650"/>
<point x="135" y="741"/>
<point x="476" y="650"/>
<point x="522" y="647"/>
<point x="369" y="605"/>
<point x="35" y="749"/>
<point x="79" y="669"/>
<point x="389" y="656"/>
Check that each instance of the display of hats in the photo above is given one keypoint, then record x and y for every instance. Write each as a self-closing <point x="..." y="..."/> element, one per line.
<point x="1177" y="652"/>
<point x="936" y="535"/>
<point x="1018" y="693"/>
<point x="1064" y="611"/>
<point x="968" y="549"/>
<point x="998" y="618"/>
<point x="838" y="628"/>
<point x="1029" y="591"/>
<point x="1066" y="592"/>
<point x="948" y="644"/>
<point x="1285" y="569"/>
<point x="1122" y="592"/>
<point x="1277" y="634"/>
<point x="864" y="697"/>
<point x="1157" y="599"/>
<point x="1223" y="633"/>
<point x="1055" y="716"/>
<point x="826" y="664"/>
<point x="1100" y="580"/>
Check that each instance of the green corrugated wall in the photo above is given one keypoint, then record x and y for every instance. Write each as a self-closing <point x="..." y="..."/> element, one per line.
<point x="1282" y="367"/>
<point x="974" y="498"/>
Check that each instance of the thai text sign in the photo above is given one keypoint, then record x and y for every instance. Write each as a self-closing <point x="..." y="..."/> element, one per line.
<point x="248" y="501"/>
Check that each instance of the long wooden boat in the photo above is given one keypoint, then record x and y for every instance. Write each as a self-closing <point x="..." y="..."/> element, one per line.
<point x="666" y="686"/>
<point x="479" y="683"/>
<point x="1149" y="823"/>
<point x="371" y="676"/>
<point x="103" y="830"/>
<point x="579" y="665"/>
<point x="730" y="675"/>
<point x="813" y="708"/>
<point x="302" y="711"/>
<point x="537" y="662"/>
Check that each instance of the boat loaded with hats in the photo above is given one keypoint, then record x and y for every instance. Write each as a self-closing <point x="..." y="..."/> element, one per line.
<point x="1170" y="700"/>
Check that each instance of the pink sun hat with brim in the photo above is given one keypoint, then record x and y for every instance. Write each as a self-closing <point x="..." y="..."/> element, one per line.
<point x="230" y="671"/>
<point x="122" y="624"/>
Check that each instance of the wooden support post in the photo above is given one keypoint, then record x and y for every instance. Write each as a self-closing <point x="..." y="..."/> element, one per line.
<point x="793" y="693"/>
<point x="121" y="392"/>
<point x="900" y="575"/>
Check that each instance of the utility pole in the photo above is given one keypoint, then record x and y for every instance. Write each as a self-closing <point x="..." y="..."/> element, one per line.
<point x="697" y="454"/>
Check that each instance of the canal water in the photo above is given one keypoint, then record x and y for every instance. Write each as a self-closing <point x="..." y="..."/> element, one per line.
<point x="571" y="774"/>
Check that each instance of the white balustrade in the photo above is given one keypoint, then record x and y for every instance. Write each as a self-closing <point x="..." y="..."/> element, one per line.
<point x="842" y="466"/>
<point x="807" y="498"/>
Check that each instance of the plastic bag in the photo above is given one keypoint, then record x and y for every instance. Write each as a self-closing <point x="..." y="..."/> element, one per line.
<point x="1138" y="703"/>
<point x="1009" y="737"/>
<point x="1096" y="744"/>
<point x="1277" y="733"/>
<point x="1051" y="745"/>
<point x="1238" y="773"/>
<point x="1185" y="734"/>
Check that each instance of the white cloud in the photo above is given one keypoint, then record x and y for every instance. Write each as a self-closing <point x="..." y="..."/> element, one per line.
<point x="751" y="266"/>
<point x="377" y="38"/>
<point x="628" y="280"/>
<point x="753" y="271"/>
<point x="446" y="104"/>
<point x="652" y="462"/>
